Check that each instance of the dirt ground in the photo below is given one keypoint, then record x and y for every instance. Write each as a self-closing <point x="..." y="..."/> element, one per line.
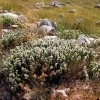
<point x="75" y="90"/>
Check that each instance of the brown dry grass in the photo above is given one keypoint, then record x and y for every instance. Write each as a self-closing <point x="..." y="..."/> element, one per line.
<point x="82" y="9"/>
<point x="79" y="91"/>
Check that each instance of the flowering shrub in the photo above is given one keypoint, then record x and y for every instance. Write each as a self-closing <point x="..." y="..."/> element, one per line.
<point x="95" y="69"/>
<point x="95" y="64"/>
<point x="46" y="60"/>
<point x="14" y="37"/>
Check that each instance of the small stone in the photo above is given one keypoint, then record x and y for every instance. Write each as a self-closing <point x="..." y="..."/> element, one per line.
<point x="5" y="11"/>
<point x="71" y="11"/>
<point x="98" y="23"/>
<point x="61" y="15"/>
<point x="14" y="26"/>
<point x="50" y="37"/>
<point x="68" y="2"/>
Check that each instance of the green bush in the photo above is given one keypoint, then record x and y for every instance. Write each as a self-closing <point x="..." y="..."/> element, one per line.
<point x="45" y="61"/>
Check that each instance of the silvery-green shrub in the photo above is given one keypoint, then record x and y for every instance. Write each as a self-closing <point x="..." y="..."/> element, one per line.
<point x="69" y="34"/>
<point x="14" y="37"/>
<point x="47" y="60"/>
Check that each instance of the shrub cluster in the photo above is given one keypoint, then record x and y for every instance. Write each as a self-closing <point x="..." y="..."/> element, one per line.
<point x="46" y="60"/>
<point x="14" y="37"/>
<point x="95" y="64"/>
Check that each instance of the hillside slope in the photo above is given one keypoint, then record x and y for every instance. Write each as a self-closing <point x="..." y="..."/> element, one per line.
<point x="73" y="11"/>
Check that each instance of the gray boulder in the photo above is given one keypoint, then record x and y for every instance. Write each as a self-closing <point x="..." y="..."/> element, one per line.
<point x="46" y="30"/>
<point x="46" y="27"/>
<point x="47" y="22"/>
<point x="83" y="39"/>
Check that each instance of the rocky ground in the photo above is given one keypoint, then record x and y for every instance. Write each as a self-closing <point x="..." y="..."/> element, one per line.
<point x="72" y="90"/>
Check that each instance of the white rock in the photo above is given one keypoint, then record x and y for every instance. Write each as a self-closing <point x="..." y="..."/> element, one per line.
<point x="62" y="91"/>
<point x="14" y="26"/>
<point x="50" y="37"/>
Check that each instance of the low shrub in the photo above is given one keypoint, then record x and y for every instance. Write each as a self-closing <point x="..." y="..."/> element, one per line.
<point x="7" y="21"/>
<point x="69" y="34"/>
<point x="15" y="37"/>
<point x="45" y="61"/>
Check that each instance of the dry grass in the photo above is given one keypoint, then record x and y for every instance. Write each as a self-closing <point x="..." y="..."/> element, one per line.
<point x="82" y="9"/>
<point x="78" y="91"/>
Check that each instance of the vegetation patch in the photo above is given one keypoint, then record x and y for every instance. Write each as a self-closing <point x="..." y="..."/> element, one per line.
<point x="14" y="38"/>
<point x="46" y="60"/>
